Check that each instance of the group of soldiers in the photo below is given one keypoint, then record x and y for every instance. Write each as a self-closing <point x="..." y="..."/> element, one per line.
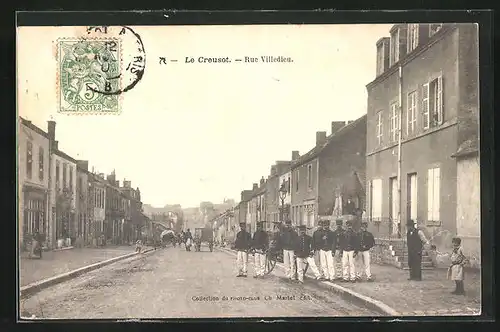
<point x="350" y="248"/>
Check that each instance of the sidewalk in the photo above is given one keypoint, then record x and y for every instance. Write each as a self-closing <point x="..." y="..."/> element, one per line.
<point x="57" y="262"/>
<point x="431" y="296"/>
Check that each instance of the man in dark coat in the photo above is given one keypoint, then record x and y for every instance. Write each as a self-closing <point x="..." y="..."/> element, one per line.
<point x="323" y="243"/>
<point x="349" y="246"/>
<point x="188" y="240"/>
<point x="242" y="244"/>
<point x="260" y="244"/>
<point x="366" y="242"/>
<point x="415" y="240"/>
<point x="338" y="233"/>
<point x="287" y="242"/>
<point x="304" y="253"/>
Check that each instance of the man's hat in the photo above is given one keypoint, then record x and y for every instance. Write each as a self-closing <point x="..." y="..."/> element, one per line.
<point x="339" y="222"/>
<point x="301" y="227"/>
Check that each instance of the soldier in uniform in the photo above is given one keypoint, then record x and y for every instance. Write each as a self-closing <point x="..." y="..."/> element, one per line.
<point x="260" y="244"/>
<point x="242" y="244"/>
<point x="337" y="247"/>
<point x="323" y="242"/>
<point x="349" y="247"/>
<point x="366" y="242"/>
<point x="304" y="252"/>
<point x="415" y="240"/>
<point x="287" y="242"/>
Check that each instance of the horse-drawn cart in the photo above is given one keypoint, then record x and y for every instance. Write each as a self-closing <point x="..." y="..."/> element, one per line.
<point x="203" y="235"/>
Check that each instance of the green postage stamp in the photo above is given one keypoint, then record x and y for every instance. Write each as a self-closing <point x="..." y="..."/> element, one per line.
<point x="89" y="75"/>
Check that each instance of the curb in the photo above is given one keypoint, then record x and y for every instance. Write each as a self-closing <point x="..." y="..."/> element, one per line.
<point x="37" y="286"/>
<point x="369" y="302"/>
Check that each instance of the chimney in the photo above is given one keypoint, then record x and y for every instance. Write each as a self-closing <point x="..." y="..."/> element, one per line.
<point x="255" y="186"/>
<point x="273" y="170"/>
<point x="51" y="125"/>
<point x="83" y="164"/>
<point x="111" y="178"/>
<point x="336" y="125"/>
<point x="320" y="137"/>
<point x="127" y="184"/>
<point x="262" y="181"/>
<point x="295" y="155"/>
<point x="56" y="145"/>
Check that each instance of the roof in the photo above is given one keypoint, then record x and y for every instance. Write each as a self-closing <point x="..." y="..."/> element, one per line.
<point x="316" y="151"/>
<point x="469" y="147"/>
<point x="31" y="126"/>
<point x="64" y="155"/>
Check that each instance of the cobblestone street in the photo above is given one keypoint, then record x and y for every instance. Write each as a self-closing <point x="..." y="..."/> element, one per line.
<point x="173" y="283"/>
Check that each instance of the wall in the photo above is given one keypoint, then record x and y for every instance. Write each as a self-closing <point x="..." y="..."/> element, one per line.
<point x="344" y="154"/>
<point x="38" y="141"/>
<point x="305" y="195"/>
<point x="469" y="207"/>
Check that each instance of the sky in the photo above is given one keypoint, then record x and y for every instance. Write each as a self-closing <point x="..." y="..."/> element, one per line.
<point x="192" y="132"/>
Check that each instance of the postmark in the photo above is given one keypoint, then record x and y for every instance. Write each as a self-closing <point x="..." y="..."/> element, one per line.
<point x="96" y="68"/>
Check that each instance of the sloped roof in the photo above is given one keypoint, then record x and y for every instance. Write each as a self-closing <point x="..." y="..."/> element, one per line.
<point x="352" y="186"/>
<point x="470" y="146"/>
<point x="314" y="152"/>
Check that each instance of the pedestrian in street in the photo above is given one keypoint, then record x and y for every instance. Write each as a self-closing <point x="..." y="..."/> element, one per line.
<point x="456" y="270"/>
<point x="288" y="241"/>
<point x="349" y="246"/>
<point x="305" y="255"/>
<point x="260" y="244"/>
<point x="338" y="234"/>
<point x="415" y="239"/>
<point x="189" y="240"/>
<point x="322" y="240"/>
<point x="366" y="242"/>
<point x="242" y="244"/>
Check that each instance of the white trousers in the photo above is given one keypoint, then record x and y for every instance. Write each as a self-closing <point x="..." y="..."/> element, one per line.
<point x="241" y="262"/>
<point x="348" y="265"/>
<point x="363" y="260"/>
<point x="289" y="261"/>
<point x="326" y="263"/>
<point x="301" y="264"/>
<point x="259" y="263"/>
<point x="337" y="262"/>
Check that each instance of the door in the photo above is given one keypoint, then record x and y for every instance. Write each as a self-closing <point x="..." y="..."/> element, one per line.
<point x="411" y="206"/>
<point x="393" y="206"/>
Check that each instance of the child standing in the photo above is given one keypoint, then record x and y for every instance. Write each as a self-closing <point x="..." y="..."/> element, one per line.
<point x="456" y="270"/>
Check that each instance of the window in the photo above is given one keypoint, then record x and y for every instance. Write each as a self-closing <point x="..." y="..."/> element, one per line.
<point x="433" y="103"/>
<point x="394" y="52"/>
<point x="64" y="174"/>
<point x="379" y="127"/>
<point x="40" y="163"/>
<point x="380" y="59"/>
<point x="411" y="122"/>
<point x="309" y="176"/>
<point x="297" y="180"/>
<point x="434" y="28"/>
<point x="57" y="174"/>
<point x="394" y="128"/>
<point x="412" y="194"/>
<point x="376" y="199"/>
<point x="412" y="37"/>
<point x="433" y="201"/>
<point x="70" y="177"/>
<point x="29" y="159"/>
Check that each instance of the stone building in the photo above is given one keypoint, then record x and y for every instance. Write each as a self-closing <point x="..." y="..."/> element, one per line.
<point x="279" y="176"/>
<point x="33" y="181"/>
<point x="97" y="206"/>
<point x="81" y="222"/>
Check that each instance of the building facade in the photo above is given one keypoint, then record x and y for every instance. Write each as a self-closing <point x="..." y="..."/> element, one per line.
<point x="82" y="219"/>
<point x="329" y="171"/>
<point x="33" y="181"/>
<point x="97" y="206"/>
<point x="279" y="176"/>
<point x="422" y="105"/>
<point x="115" y="211"/>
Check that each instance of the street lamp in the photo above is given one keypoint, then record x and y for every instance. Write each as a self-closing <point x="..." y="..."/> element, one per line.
<point x="282" y="193"/>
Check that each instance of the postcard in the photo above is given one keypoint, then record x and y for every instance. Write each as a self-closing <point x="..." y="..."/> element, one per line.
<point x="248" y="171"/>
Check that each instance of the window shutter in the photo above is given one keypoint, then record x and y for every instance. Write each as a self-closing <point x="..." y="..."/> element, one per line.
<point x="436" y="197"/>
<point x="408" y="113"/>
<point x="439" y="101"/>
<point x="430" y="194"/>
<point x="425" y="105"/>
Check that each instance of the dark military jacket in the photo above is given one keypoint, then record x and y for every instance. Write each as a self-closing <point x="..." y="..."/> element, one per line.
<point x="366" y="241"/>
<point x="323" y="239"/>
<point x="260" y="240"/>
<point x="243" y="241"/>
<point x="288" y="239"/>
<point x="303" y="246"/>
<point x="338" y="234"/>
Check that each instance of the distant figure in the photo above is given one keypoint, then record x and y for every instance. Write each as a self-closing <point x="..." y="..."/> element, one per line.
<point x="138" y="246"/>
<point x="456" y="270"/>
<point x="188" y="240"/>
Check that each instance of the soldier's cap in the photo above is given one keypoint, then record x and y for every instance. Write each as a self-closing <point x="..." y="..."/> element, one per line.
<point x="364" y="223"/>
<point x="301" y="227"/>
<point x="339" y="222"/>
